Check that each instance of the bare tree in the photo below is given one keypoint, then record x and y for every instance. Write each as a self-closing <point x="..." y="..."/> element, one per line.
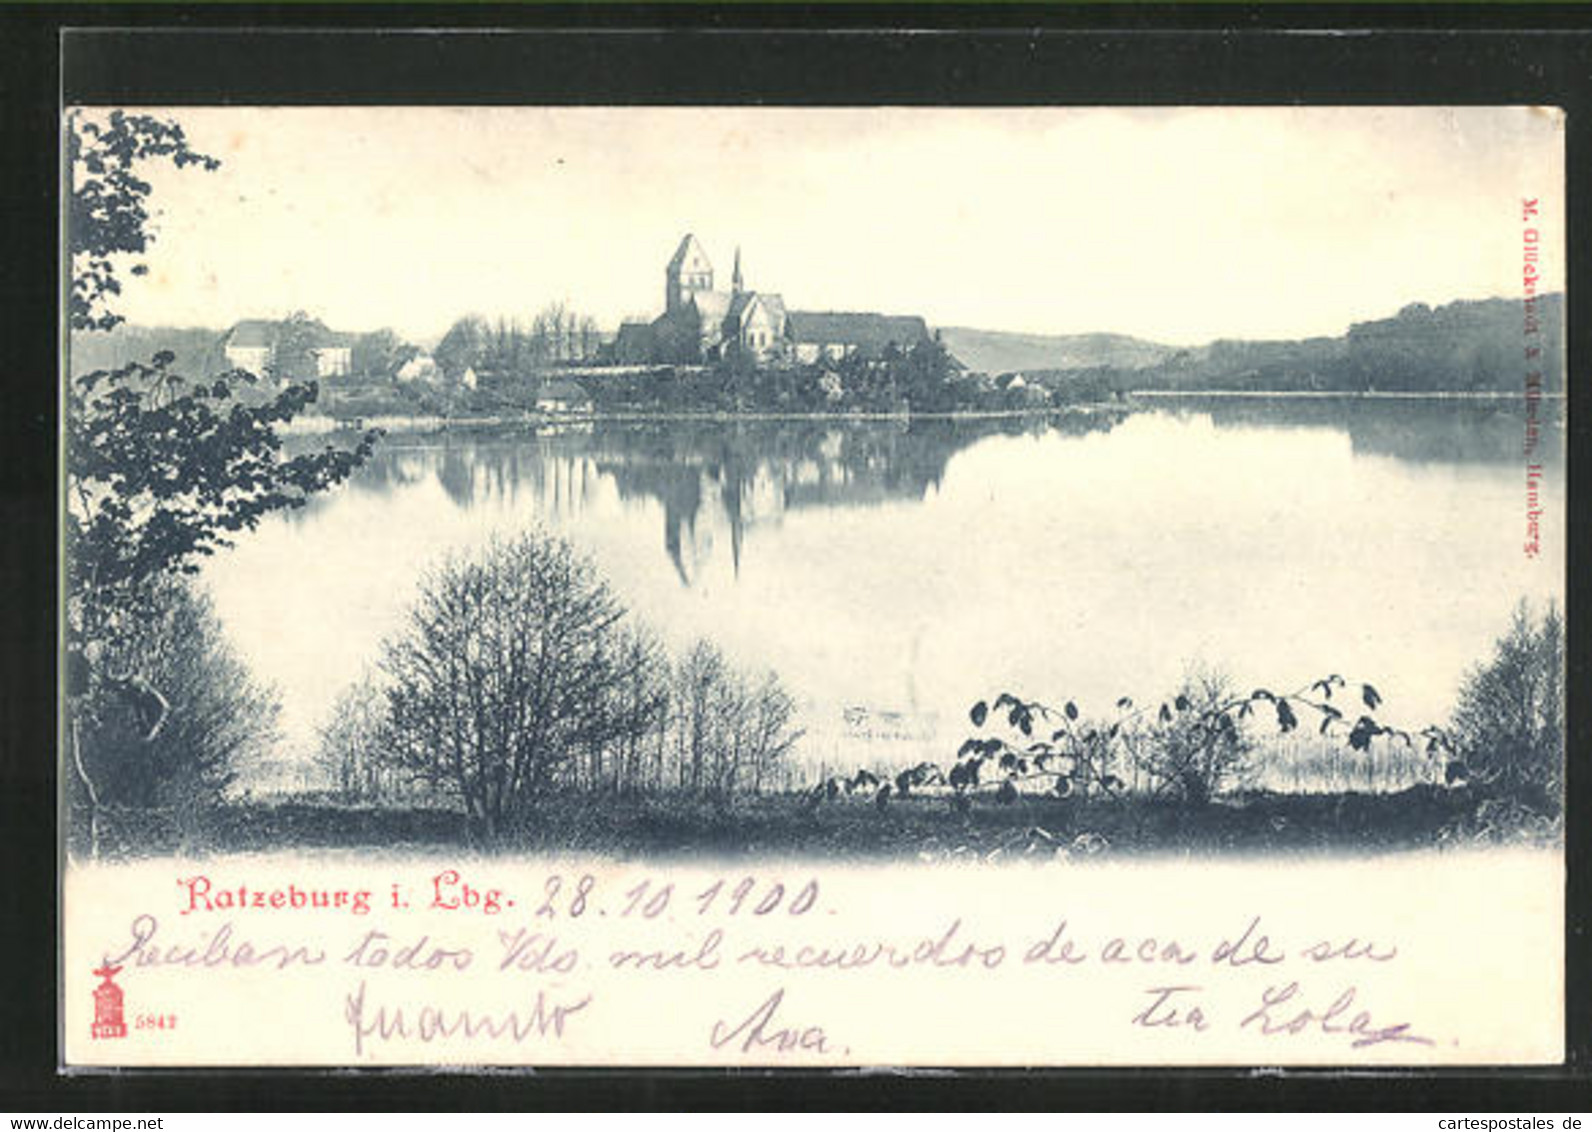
<point x="547" y="334"/>
<point x="696" y="684"/>
<point x="591" y="338"/>
<point x="728" y="749"/>
<point x="770" y="736"/>
<point x="727" y="734"/>
<point x="637" y="707"/>
<point x="502" y="672"/>
<point x="350" y="749"/>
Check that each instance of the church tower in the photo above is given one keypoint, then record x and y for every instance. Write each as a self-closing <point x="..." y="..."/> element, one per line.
<point x="689" y="271"/>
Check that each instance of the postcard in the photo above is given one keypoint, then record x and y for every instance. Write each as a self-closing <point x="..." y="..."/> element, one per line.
<point x="824" y="587"/>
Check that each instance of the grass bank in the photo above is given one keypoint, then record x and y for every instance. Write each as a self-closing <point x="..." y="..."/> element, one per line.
<point x="920" y="828"/>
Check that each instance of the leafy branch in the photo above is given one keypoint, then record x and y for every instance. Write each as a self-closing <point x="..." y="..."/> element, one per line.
<point x="108" y="213"/>
<point x="1188" y="744"/>
<point x="164" y="471"/>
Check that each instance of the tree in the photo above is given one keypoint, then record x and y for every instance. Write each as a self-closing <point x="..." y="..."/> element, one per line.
<point x="464" y="346"/>
<point x="506" y="351"/>
<point x="697" y="680"/>
<point x="926" y="376"/>
<point x="728" y="734"/>
<point x="547" y="344"/>
<point x="559" y="334"/>
<point x="591" y="338"/>
<point x="1508" y="727"/>
<point x="769" y="730"/>
<point x="379" y="353"/>
<point x="350" y="747"/>
<point x="636" y="707"/>
<point x="107" y="215"/>
<point x="298" y="336"/>
<point x="161" y="470"/>
<point x="217" y="715"/>
<point x="502" y="672"/>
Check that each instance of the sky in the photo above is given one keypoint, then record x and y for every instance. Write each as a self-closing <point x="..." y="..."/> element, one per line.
<point x="1177" y="225"/>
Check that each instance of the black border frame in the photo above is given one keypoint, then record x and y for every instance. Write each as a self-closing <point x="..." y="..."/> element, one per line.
<point x="802" y="55"/>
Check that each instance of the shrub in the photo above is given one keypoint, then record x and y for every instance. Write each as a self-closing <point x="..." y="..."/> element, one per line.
<point x="1195" y="751"/>
<point x="169" y="712"/>
<point x="1509" y="725"/>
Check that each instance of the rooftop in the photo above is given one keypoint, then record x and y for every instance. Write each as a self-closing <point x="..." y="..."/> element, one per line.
<point x="863" y="330"/>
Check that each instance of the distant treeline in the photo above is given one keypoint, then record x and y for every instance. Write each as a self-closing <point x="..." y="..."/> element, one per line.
<point x="922" y="379"/>
<point x="1462" y="347"/>
<point x="197" y="348"/>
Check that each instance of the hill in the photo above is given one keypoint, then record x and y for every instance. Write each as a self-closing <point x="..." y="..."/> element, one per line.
<point x="999" y="351"/>
<point x="1460" y="347"/>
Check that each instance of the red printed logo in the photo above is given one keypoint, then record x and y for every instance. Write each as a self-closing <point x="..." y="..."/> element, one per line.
<point x="108" y="1022"/>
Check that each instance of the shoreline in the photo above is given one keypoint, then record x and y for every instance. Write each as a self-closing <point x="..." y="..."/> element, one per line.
<point x="313" y="425"/>
<point x="1359" y="395"/>
<point x="320" y="424"/>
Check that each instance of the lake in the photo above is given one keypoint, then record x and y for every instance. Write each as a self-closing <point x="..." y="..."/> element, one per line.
<point x="892" y="573"/>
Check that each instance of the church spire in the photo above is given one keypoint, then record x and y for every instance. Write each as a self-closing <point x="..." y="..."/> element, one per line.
<point x="736" y="286"/>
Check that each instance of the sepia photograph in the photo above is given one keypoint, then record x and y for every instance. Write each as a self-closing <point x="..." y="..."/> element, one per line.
<point x="748" y="584"/>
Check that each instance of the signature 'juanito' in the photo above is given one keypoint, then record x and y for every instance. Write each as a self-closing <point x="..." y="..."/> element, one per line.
<point x="371" y="1022"/>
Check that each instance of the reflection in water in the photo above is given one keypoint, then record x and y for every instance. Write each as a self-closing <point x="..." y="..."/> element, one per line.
<point x="1426" y="430"/>
<point x="753" y="471"/>
<point x="758" y="471"/>
<point x="908" y="569"/>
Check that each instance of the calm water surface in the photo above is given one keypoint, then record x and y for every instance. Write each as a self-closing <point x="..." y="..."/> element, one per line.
<point x="892" y="573"/>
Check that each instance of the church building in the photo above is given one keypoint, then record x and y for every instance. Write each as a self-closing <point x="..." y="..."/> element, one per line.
<point x="702" y="324"/>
